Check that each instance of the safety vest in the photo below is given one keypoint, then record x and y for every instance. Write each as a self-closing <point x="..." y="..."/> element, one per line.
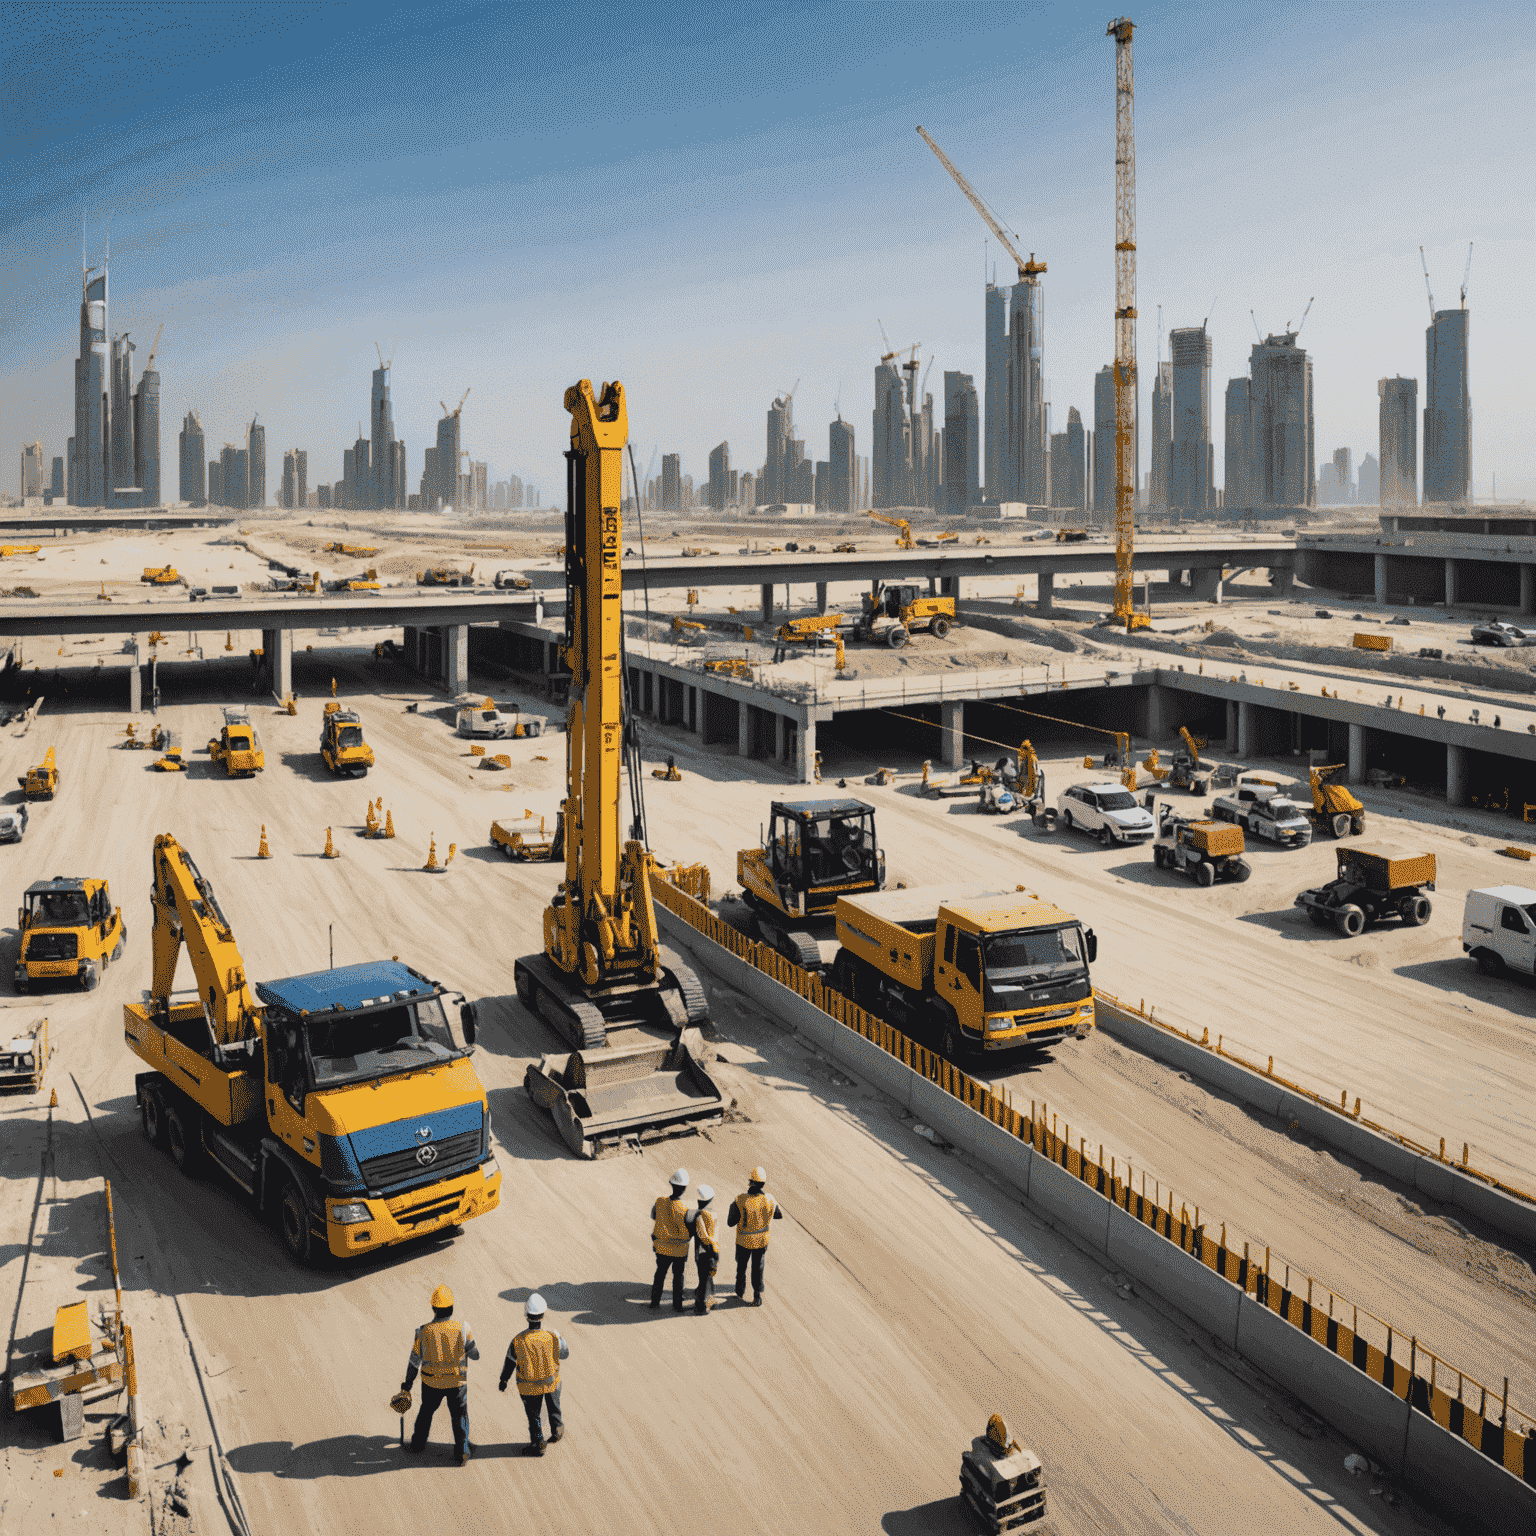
<point x="756" y="1214"/>
<point x="704" y="1234"/>
<point x="538" y="1361"/>
<point x="441" y="1346"/>
<point x="670" y="1234"/>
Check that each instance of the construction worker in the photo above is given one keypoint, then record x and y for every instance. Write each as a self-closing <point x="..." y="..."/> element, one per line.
<point x="535" y="1354"/>
<point x="669" y="1238"/>
<point x="751" y="1215"/>
<point x="706" y="1249"/>
<point x="442" y="1352"/>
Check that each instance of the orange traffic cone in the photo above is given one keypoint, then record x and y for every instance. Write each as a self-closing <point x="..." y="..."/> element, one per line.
<point x="453" y="848"/>
<point x="263" y="852"/>
<point x="389" y="820"/>
<point x="432" y="866"/>
<point x="330" y="847"/>
<point x="371" y="825"/>
<point x="53" y="1098"/>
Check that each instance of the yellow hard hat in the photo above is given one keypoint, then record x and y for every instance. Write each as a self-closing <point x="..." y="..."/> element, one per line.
<point x="759" y="1175"/>
<point x="442" y="1297"/>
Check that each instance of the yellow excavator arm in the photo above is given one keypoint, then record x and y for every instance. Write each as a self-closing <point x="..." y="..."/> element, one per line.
<point x="186" y="911"/>
<point x="1193" y="743"/>
<point x="904" y="537"/>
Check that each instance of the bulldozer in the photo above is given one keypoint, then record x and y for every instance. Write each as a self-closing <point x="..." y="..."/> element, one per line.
<point x="895" y="610"/>
<point x="161" y="576"/>
<point x="1334" y="808"/>
<point x="41" y="780"/>
<point x="445" y="576"/>
<point x="631" y="1023"/>
<point x="237" y="746"/>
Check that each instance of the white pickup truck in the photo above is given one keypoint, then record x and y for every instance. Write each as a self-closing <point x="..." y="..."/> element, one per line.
<point x="1107" y="811"/>
<point x="1498" y="929"/>
<point x="496" y="724"/>
<point x="1265" y="808"/>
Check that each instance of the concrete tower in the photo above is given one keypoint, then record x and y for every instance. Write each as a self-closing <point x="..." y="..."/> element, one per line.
<point x="1027" y="428"/>
<point x="1398" y="426"/>
<point x="842" y="468"/>
<point x="381" y="491"/>
<point x="1281" y="469"/>
<point x="1162" y="437"/>
<point x="256" y="465"/>
<point x="781" y="428"/>
<point x="445" y="489"/>
<point x="120" y="470"/>
<point x="1075" y="481"/>
<point x="891" y="441"/>
<point x="719" y="476"/>
<point x="962" y="447"/>
<point x="193" y="485"/>
<point x="995" y="452"/>
<point x="1104" y="443"/>
<point x="146" y="437"/>
<point x="93" y="411"/>
<point x="1189" y="477"/>
<point x="1447" y="408"/>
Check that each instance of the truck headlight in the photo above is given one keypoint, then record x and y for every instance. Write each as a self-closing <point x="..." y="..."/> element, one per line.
<point x="1003" y="1021"/>
<point x="350" y="1215"/>
<point x="490" y="1168"/>
<point x="27" y="1061"/>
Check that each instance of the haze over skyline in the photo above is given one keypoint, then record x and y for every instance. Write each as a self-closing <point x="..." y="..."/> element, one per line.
<point x="712" y="204"/>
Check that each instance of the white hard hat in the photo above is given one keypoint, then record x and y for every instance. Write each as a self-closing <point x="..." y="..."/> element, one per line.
<point x="535" y="1306"/>
<point x="706" y="1194"/>
<point x="759" y="1175"/>
<point x="680" y="1179"/>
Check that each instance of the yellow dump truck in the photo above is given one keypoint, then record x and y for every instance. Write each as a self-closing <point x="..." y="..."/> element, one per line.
<point x="343" y="1102"/>
<point x="531" y="840"/>
<point x="161" y="576"/>
<point x="69" y="928"/>
<point x="969" y="969"/>
<point x="237" y="746"/>
<point x="41" y="781"/>
<point x="342" y="746"/>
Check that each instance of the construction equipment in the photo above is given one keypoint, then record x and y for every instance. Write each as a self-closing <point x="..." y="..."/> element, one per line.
<point x="1030" y="785"/>
<point x="1071" y="535"/>
<point x="1207" y="851"/>
<point x="633" y="1024"/>
<point x="814" y="852"/>
<point x="511" y="580"/>
<point x="1373" y="642"/>
<point x="845" y="549"/>
<point x="1265" y="808"/>
<point x="1373" y="885"/>
<point x="13" y="823"/>
<point x="341" y="1102"/>
<point x="904" y="529"/>
<point x="362" y="551"/>
<point x="731" y="666"/>
<point x="1125" y="324"/>
<point x="527" y="842"/>
<point x="69" y="927"/>
<point x="1334" y="808"/>
<point x="1498" y="929"/>
<point x="8" y="550"/>
<point x="972" y="969"/>
<point x="485" y="719"/>
<point x="445" y="576"/>
<point x="364" y="581"/>
<point x="1187" y="770"/>
<point x="161" y="576"/>
<point x="167" y="742"/>
<point x="342" y="747"/>
<point x="24" y="1057"/>
<point x="809" y="628"/>
<point x="895" y="610"/>
<point x="1002" y="1484"/>
<point x="973" y="776"/>
<point x="237" y="746"/>
<point x="670" y="774"/>
<point x="41" y="781"/>
<point x="687" y="631"/>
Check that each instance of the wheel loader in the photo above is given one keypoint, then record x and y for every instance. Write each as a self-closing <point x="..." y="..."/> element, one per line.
<point x="69" y="929"/>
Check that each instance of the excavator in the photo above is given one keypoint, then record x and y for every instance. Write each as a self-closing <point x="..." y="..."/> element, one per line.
<point x="632" y="1023"/>
<point x="341" y="1102"/>
<point x="1334" y="808"/>
<point x="1187" y="771"/>
<point x="904" y="536"/>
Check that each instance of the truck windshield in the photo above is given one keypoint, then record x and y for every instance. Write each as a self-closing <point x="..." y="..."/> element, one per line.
<point x="350" y="736"/>
<point x="61" y="909"/>
<point x="840" y="848"/>
<point x="1117" y="800"/>
<point x="1280" y="810"/>
<point x="1036" y="952"/>
<point x="349" y="1047"/>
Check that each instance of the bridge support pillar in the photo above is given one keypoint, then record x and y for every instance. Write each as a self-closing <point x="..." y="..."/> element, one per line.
<point x="952" y="733"/>
<point x="1205" y="584"/>
<point x="1282" y="579"/>
<point x="1045" y="591"/>
<point x="1157" y="712"/>
<point x="1230" y="738"/>
<point x="821" y="597"/>
<point x="805" y="752"/>
<point x="698" y="711"/>
<point x="1245" y="724"/>
<point x="767" y="603"/>
<point x="743" y="728"/>
<point x="277" y="652"/>
<point x="949" y="586"/>
<point x="1381" y="578"/>
<point x="1357" y="754"/>
<point x="1528" y="590"/>
<point x="1452" y="582"/>
<point x="455" y="657"/>
<point x="1455" y="775"/>
<point x="135" y="681"/>
<point x="779" y="722"/>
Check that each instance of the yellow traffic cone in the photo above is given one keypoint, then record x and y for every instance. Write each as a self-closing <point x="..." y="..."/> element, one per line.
<point x="389" y="822"/>
<point x="53" y="1098"/>
<point x="263" y="852"/>
<point x="432" y="866"/>
<point x="453" y="848"/>
<point x="229" y="640"/>
<point x="330" y="847"/>
<point x="371" y="824"/>
<point x="333" y="687"/>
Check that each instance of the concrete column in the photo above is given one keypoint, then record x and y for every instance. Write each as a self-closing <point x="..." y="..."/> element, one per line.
<point x="1357" y="754"/>
<point x="779" y="722"/>
<point x="1045" y="591"/>
<point x="933" y="586"/>
<point x="1452" y="584"/>
<point x="1455" y="775"/>
<point x="949" y="586"/>
<point x="743" y="728"/>
<point x="1282" y="580"/>
<point x="952" y="733"/>
<point x="135" y="682"/>
<point x="1157" y="709"/>
<point x="1231" y="736"/>
<point x="1381" y="578"/>
<point x="1205" y="584"/>
<point x="699" y="708"/>
<point x="821" y="597"/>
<point x="280" y="662"/>
<point x="455" y="657"/>
<point x="767" y="602"/>
<point x="805" y="751"/>
<point x="1245" y="725"/>
<point x="1528" y="589"/>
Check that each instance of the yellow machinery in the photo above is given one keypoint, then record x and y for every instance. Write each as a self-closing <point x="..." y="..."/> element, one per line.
<point x="445" y="576"/>
<point x="342" y="746"/>
<point x="69" y="927"/>
<point x="809" y="628"/>
<point x="160" y="576"/>
<point x="237" y="746"/>
<point x="1188" y="771"/>
<point x="635" y="1062"/>
<point x="1334" y="808"/>
<point x="168" y="743"/>
<point x="341" y="1102"/>
<point x="687" y="631"/>
<point x="815" y="851"/>
<point x="41" y="780"/>
<point x="362" y="551"/>
<point x="24" y="1057"/>
<point x="731" y="666"/>
<point x="7" y="550"/>
<point x="972" y="970"/>
<point x="845" y="549"/>
<point x="530" y="839"/>
<point x="902" y="526"/>
<point x="894" y="610"/>
<point x="671" y="774"/>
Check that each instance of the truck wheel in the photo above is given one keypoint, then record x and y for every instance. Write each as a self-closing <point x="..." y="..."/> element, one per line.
<point x="1205" y="873"/>
<point x="940" y="628"/>
<point x="293" y="1223"/>
<point x="152" y="1118"/>
<point x="1489" y="961"/>
<point x="896" y="637"/>
<point x="1198" y="786"/>
<point x="949" y="1046"/>
<point x="1416" y="911"/>
<point x="181" y="1139"/>
<point x="1357" y="826"/>
<point x="1106" y="838"/>
<point x="1157" y="856"/>
<point x="1350" y="921"/>
<point x="1341" y="825"/>
<point x="1241" y="870"/>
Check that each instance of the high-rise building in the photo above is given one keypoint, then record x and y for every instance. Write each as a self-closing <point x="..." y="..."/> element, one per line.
<point x="1447" y="408"/>
<point x="56" y="482"/>
<point x="301" y="477"/>
<point x="1368" y="491"/>
<point x="93" y="415"/>
<point x="381" y="434"/>
<point x="287" y="495"/>
<point x="360" y="479"/>
<point x="1398" y="424"/>
<point x="747" y="488"/>
<point x="146" y="437"/>
<point x="256" y="465"/>
<point x="719" y="477"/>
<point x="1104" y="442"/>
<point x="322" y="495"/>
<point x="1028" y="431"/>
<point x="235" y="475"/>
<point x="781" y="427"/>
<point x="31" y="470"/>
<point x="1159" y="486"/>
<point x="192" y="483"/>
<point x="444" y="489"/>
<point x="1075" y="472"/>
<point x="1189" y="473"/>
<point x="996" y="450"/>
<point x="1278" y="466"/>
<point x="842" y="468"/>
<point x="671" y="483"/>
<point x="120" y="417"/>
<point x="216" y="482"/>
<point x="1239" y="443"/>
<point x="962" y="442"/>
<point x="890" y="442"/>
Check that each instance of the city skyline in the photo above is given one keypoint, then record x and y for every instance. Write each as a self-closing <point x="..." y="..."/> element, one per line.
<point x="279" y="330"/>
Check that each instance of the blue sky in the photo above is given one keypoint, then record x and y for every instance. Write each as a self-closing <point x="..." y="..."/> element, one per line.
<point x="712" y="202"/>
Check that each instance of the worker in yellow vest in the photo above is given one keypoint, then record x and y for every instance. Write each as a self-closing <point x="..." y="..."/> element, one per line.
<point x="442" y="1352"/>
<point x="706" y="1249"/>
<point x="751" y="1215"/>
<point x="535" y="1355"/>
<point x="669" y="1238"/>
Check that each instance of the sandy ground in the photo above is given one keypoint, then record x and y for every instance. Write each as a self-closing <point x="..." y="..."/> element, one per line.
<point x="909" y="1296"/>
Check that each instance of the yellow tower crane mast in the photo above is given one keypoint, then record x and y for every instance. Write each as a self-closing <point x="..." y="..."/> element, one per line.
<point x="1125" y="323"/>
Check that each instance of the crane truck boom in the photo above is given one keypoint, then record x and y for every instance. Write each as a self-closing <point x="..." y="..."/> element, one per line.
<point x="636" y="1059"/>
<point x="340" y="1101"/>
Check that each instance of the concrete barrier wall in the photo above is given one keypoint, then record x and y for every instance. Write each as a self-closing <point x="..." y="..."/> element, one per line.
<point x="1437" y="1458"/>
<point x="1074" y="1204"/>
<point x="1179" y="1278"/>
<point x="1005" y="1155"/>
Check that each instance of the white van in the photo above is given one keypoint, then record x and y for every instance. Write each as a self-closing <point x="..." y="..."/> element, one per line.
<point x="1498" y="929"/>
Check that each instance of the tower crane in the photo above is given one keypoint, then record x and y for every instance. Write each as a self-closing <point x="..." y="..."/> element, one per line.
<point x="1464" y="276"/>
<point x="1125" y="323"/>
<point x="1029" y="271"/>
<point x="1427" y="289"/>
<point x="459" y="407"/>
<point x="154" y="349"/>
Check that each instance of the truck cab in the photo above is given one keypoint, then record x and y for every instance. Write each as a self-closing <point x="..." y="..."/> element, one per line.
<point x="1265" y="808"/>
<point x="1498" y="929"/>
<point x="342" y="746"/>
<point x="69" y="927"/>
<point x="237" y="746"/>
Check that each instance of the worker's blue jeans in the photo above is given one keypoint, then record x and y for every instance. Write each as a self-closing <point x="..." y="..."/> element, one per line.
<point x="457" y="1399"/>
<point x="532" y="1405"/>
